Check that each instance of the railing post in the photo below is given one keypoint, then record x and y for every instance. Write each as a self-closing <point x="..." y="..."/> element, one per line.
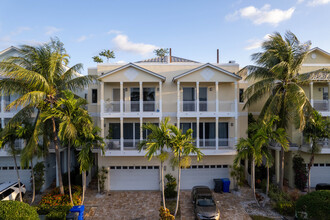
<point x="328" y="96"/>
<point x="197" y="97"/>
<point x="160" y="98"/>
<point x="217" y="97"/>
<point x="311" y="93"/>
<point x="178" y="97"/>
<point x="121" y="91"/>
<point x="236" y="113"/>
<point x="216" y="133"/>
<point x="121" y="134"/>
<point x="141" y="98"/>
<point x="102" y="98"/>
<point x="197" y="131"/>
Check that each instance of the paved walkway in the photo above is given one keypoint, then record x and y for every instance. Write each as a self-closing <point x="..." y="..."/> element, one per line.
<point x="141" y="205"/>
<point x="125" y="205"/>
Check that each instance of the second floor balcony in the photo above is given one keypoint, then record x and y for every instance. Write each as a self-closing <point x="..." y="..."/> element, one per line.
<point x="131" y="106"/>
<point x="321" y="105"/>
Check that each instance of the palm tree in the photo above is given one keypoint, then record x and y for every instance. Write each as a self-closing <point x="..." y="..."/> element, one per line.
<point x="97" y="59"/>
<point x="72" y="116"/>
<point x="156" y="141"/>
<point x="265" y="133"/>
<point x="88" y="140"/>
<point x="182" y="147"/>
<point x="108" y="54"/>
<point x="38" y="75"/>
<point x="8" y="136"/>
<point x="315" y="129"/>
<point x="277" y="73"/>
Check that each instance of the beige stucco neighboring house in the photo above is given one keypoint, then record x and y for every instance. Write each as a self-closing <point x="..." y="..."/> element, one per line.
<point x="201" y="96"/>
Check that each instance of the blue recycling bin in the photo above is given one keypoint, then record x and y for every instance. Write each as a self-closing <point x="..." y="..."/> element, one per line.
<point x="80" y="209"/>
<point x="225" y="185"/>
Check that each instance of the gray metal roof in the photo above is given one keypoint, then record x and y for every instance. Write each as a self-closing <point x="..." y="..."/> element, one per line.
<point x="166" y="59"/>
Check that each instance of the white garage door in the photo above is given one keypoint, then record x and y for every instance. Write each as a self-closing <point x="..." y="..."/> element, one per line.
<point x="203" y="175"/>
<point x="134" y="178"/>
<point x="320" y="173"/>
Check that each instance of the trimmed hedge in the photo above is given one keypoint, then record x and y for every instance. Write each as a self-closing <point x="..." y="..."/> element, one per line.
<point x="10" y="210"/>
<point x="315" y="204"/>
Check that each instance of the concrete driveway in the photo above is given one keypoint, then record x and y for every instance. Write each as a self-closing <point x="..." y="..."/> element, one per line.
<point x="122" y="205"/>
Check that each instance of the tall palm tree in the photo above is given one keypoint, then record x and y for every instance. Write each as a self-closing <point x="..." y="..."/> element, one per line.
<point x="8" y="136"/>
<point x="182" y="147"/>
<point x="88" y="140"/>
<point x="316" y="128"/>
<point x="38" y="75"/>
<point x="108" y="54"/>
<point x="72" y="117"/>
<point x="155" y="144"/>
<point x="276" y="77"/>
<point x="265" y="133"/>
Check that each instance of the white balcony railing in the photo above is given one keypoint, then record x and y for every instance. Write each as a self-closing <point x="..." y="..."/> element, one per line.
<point x="130" y="144"/>
<point x="19" y="143"/>
<point x="222" y="143"/>
<point x="112" y="144"/>
<point x="207" y="106"/>
<point x="322" y="142"/>
<point x="321" y="105"/>
<point x="131" y="106"/>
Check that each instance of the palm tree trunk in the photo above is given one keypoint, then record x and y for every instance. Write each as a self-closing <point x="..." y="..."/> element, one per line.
<point x="84" y="186"/>
<point x="253" y="181"/>
<point x="281" y="169"/>
<point x="18" y="178"/>
<point x="178" y="195"/>
<point x="162" y="179"/>
<point x="267" y="187"/>
<point x="58" y="158"/>
<point x="33" y="184"/>
<point x="69" y="173"/>
<point x="311" y="161"/>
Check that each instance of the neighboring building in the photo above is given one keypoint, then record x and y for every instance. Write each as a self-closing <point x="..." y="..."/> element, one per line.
<point x="318" y="93"/>
<point x="7" y="167"/>
<point x="204" y="97"/>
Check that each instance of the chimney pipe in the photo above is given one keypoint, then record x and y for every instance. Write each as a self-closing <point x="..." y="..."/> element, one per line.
<point x="218" y="56"/>
<point x="170" y="55"/>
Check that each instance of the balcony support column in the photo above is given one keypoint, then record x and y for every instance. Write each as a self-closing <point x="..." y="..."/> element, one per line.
<point x="197" y="132"/>
<point x="236" y="113"/>
<point x="3" y="104"/>
<point x="328" y="96"/>
<point x="141" y="97"/>
<point x="197" y="97"/>
<point x="217" y="97"/>
<point x="102" y="98"/>
<point x="102" y="126"/>
<point x="121" y="133"/>
<point x="160" y="98"/>
<point x="121" y="91"/>
<point x="311" y="93"/>
<point x="277" y="166"/>
<point x="141" y="129"/>
<point x="216" y="133"/>
<point x="178" y="97"/>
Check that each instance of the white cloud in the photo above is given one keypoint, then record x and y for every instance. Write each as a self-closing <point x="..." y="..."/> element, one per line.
<point x="81" y="39"/>
<point x="19" y="30"/>
<point x="300" y="1"/>
<point x="114" y="32"/>
<point x="262" y="15"/>
<point x="50" y="30"/>
<point x="318" y="2"/>
<point x="122" y="43"/>
<point x="121" y="61"/>
<point x="256" y="43"/>
<point x="9" y="39"/>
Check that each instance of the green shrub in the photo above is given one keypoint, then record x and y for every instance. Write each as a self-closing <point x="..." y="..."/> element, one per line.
<point x="316" y="204"/>
<point x="300" y="172"/>
<point x="39" y="173"/>
<point x="55" y="215"/>
<point x="170" y="186"/>
<point x="17" y="210"/>
<point x="285" y="207"/>
<point x="165" y="214"/>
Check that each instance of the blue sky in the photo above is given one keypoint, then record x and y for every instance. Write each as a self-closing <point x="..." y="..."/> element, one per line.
<point x="193" y="29"/>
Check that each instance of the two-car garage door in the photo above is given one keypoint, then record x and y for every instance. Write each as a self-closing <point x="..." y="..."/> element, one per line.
<point x="134" y="178"/>
<point x="320" y="173"/>
<point x="202" y="175"/>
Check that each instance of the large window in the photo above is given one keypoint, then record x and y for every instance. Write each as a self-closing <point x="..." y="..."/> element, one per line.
<point x="94" y="95"/>
<point x="325" y="93"/>
<point x="223" y="134"/>
<point x="207" y="134"/>
<point x="135" y="99"/>
<point x="203" y="99"/>
<point x="188" y="125"/>
<point x="189" y="99"/>
<point x="114" y="131"/>
<point x="241" y="97"/>
<point x="147" y="132"/>
<point x="149" y="99"/>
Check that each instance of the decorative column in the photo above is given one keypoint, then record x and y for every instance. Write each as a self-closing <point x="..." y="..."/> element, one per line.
<point x="121" y="133"/>
<point x="277" y="166"/>
<point x="160" y="101"/>
<point x="141" y="131"/>
<point x="178" y="105"/>
<point x="197" y="131"/>
<point x="328" y="96"/>
<point x="311" y="93"/>
<point x="216" y="133"/>
<point x="3" y="103"/>
<point x="236" y="113"/>
<point x="108" y="179"/>
<point x="197" y="97"/>
<point x="102" y="126"/>
<point x="102" y="98"/>
<point x="141" y="97"/>
<point x="121" y="91"/>
<point x="57" y="180"/>
<point x="217" y="97"/>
